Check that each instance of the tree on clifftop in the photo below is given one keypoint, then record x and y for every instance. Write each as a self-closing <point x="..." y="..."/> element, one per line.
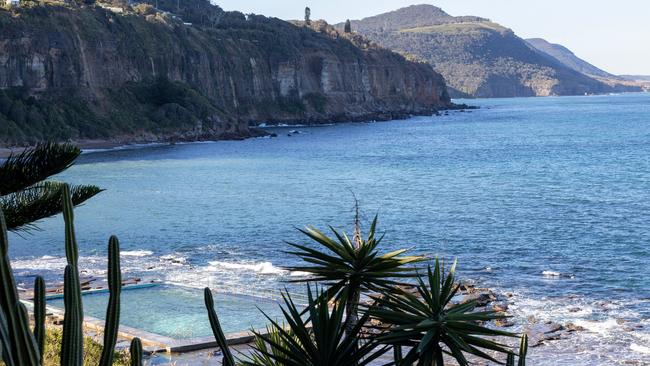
<point x="348" y="27"/>
<point x="307" y="16"/>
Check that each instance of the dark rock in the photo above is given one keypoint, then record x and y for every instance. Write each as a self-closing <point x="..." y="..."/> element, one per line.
<point x="574" y="328"/>
<point x="504" y="323"/>
<point x="482" y="299"/>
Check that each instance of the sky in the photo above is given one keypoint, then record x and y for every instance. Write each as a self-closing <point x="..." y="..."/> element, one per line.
<point x="613" y="35"/>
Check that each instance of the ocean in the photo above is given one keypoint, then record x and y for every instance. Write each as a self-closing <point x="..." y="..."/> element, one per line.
<point x="545" y="198"/>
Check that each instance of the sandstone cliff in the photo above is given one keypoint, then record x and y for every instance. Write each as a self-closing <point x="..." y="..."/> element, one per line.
<point x="85" y="72"/>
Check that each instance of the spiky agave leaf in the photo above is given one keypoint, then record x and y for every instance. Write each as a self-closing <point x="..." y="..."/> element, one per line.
<point x="355" y="267"/>
<point x="431" y="325"/>
<point x="320" y="341"/>
<point x="39" y="201"/>
<point x="35" y="165"/>
<point x="262" y="347"/>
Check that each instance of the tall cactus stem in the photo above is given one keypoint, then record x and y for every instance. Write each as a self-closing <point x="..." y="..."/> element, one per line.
<point x="113" y="310"/>
<point x="8" y="297"/>
<point x="228" y="359"/>
<point x="20" y="346"/>
<point x="71" y="251"/>
<point x="30" y="355"/>
<point x="72" y="343"/>
<point x="136" y="352"/>
<point x="39" y="314"/>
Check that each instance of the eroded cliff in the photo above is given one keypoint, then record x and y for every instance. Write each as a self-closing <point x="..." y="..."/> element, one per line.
<point x="86" y="72"/>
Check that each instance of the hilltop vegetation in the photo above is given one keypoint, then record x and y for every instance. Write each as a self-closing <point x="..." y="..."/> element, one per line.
<point x="189" y="71"/>
<point x="477" y="57"/>
<point x="567" y="58"/>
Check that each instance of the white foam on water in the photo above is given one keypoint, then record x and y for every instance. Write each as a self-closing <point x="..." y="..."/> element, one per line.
<point x="136" y="253"/>
<point x="299" y="274"/>
<point x="551" y="274"/>
<point x="602" y="327"/>
<point x="640" y="349"/>
<point x="175" y="259"/>
<point x="261" y="267"/>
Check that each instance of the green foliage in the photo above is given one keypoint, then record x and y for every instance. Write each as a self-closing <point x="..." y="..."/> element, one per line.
<point x="431" y="325"/>
<point x="270" y="347"/>
<point x="523" y="351"/>
<point x="307" y="15"/>
<point x="21" y="347"/>
<point x="351" y="266"/>
<point x="72" y="345"/>
<point x="348" y="27"/>
<point x="228" y="359"/>
<point x="136" y="352"/>
<point x="32" y="166"/>
<point x="40" y="201"/>
<point x="318" y="101"/>
<point x="113" y="310"/>
<point x="39" y="314"/>
<point x="476" y="56"/>
<point x="322" y="340"/>
<point x="24" y="195"/>
<point x="92" y="350"/>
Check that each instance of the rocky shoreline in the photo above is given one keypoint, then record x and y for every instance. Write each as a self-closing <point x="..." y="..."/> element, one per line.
<point x="243" y="134"/>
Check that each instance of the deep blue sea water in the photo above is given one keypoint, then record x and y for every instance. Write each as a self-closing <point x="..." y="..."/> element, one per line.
<point x="547" y="198"/>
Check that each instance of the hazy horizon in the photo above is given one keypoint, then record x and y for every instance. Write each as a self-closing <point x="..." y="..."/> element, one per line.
<point x="611" y="38"/>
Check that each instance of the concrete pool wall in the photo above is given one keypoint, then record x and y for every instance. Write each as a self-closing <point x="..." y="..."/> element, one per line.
<point x="152" y="341"/>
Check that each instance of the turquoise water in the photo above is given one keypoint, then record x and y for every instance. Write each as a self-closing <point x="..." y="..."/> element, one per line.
<point x="547" y="198"/>
<point x="178" y="312"/>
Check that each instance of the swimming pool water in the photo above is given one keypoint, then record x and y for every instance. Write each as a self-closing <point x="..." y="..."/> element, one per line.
<point x="178" y="312"/>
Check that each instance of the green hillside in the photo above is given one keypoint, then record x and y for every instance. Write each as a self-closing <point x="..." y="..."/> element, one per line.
<point x="476" y="56"/>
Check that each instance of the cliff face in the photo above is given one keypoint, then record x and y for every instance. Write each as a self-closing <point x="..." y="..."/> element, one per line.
<point x="88" y="72"/>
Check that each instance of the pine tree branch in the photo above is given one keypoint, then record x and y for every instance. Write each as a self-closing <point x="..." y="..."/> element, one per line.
<point x="32" y="166"/>
<point x="37" y="202"/>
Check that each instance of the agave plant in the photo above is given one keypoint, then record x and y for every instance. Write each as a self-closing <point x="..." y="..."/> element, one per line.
<point x="351" y="266"/>
<point x="264" y="346"/>
<point x="523" y="350"/>
<point x="25" y="196"/>
<point x="320" y="339"/>
<point x="430" y="325"/>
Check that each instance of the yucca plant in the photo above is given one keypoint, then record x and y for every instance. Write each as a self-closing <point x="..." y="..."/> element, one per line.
<point x="351" y="266"/>
<point x="263" y="348"/>
<point x="319" y="339"/>
<point x="22" y="347"/>
<point x="430" y="325"/>
<point x="26" y="196"/>
<point x="523" y="351"/>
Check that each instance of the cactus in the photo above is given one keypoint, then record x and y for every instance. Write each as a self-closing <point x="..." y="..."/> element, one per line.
<point x="18" y="344"/>
<point x="136" y="352"/>
<point x="228" y="359"/>
<point x="72" y="345"/>
<point x="113" y="309"/>
<point x="39" y="314"/>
